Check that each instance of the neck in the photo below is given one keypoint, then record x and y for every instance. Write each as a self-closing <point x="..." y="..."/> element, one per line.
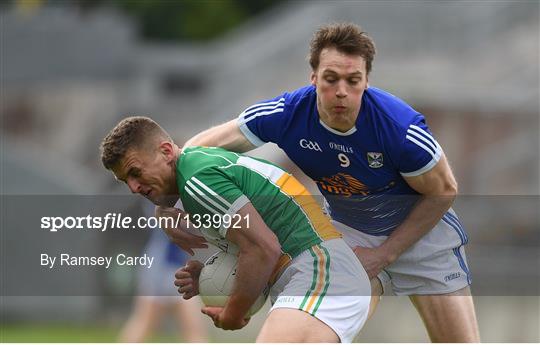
<point x="177" y="152"/>
<point x="176" y="155"/>
<point x="342" y="126"/>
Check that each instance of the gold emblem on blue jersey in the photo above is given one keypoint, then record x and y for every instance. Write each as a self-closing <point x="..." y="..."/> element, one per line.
<point x="375" y="159"/>
<point x="343" y="184"/>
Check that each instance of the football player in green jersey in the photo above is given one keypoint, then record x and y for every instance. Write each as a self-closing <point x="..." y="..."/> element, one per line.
<point x="319" y="290"/>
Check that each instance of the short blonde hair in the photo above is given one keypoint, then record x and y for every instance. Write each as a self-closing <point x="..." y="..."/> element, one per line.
<point x="134" y="132"/>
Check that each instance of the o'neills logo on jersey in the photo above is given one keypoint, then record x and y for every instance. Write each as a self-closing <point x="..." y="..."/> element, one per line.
<point x="310" y="145"/>
<point x="342" y="148"/>
<point x="343" y="184"/>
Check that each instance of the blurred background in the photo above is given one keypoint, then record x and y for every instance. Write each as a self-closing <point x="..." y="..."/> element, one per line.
<point x="70" y="70"/>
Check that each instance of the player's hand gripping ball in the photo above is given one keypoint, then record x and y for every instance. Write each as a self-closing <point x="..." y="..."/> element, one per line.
<point x="217" y="280"/>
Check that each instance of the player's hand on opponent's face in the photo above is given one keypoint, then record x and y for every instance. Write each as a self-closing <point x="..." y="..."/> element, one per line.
<point x="373" y="260"/>
<point x="221" y="320"/>
<point x="187" y="278"/>
<point x="180" y="236"/>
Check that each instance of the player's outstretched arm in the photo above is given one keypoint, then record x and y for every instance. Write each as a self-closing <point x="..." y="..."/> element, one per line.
<point x="439" y="189"/>
<point x="227" y="136"/>
<point x="259" y="251"/>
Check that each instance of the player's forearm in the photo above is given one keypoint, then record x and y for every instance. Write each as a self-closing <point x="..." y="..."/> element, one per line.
<point x="209" y="137"/>
<point x="424" y="216"/>
<point x="227" y="136"/>
<point x="253" y="272"/>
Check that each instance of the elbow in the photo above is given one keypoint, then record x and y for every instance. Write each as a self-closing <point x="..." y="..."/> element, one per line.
<point x="267" y="252"/>
<point x="271" y="250"/>
<point x="273" y="253"/>
<point x="451" y="190"/>
<point x="270" y="253"/>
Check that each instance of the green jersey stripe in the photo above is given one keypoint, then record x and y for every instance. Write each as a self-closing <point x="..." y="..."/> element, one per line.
<point x="207" y="197"/>
<point x="217" y="196"/>
<point x="202" y="203"/>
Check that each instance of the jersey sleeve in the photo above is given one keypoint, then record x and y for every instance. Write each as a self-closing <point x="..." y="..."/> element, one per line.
<point x="212" y="192"/>
<point x="420" y="151"/>
<point x="263" y="122"/>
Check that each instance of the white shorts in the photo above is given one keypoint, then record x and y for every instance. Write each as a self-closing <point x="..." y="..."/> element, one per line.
<point x="436" y="264"/>
<point x="328" y="282"/>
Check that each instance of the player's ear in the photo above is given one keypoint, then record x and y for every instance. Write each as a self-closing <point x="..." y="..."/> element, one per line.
<point x="167" y="149"/>
<point x="313" y="78"/>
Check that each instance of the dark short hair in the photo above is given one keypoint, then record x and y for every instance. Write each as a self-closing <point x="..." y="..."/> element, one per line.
<point x="131" y="133"/>
<point x="347" y="38"/>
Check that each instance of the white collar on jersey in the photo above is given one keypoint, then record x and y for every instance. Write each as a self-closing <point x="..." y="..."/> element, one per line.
<point x="344" y="134"/>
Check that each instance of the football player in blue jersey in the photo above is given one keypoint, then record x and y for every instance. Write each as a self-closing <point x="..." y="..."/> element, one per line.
<point x="386" y="181"/>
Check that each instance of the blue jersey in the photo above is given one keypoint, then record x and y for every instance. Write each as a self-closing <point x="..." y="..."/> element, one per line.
<point x="360" y="172"/>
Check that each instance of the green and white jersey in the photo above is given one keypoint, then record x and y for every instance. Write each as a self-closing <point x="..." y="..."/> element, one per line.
<point x="213" y="181"/>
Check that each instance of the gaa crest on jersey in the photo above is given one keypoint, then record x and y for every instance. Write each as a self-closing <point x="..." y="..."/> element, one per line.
<point x="310" y="145"/>
<point x="375" y="159"/>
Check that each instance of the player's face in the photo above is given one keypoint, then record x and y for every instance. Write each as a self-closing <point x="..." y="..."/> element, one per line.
<point x="150" y="173"/>
<point x="340" y="80"/>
